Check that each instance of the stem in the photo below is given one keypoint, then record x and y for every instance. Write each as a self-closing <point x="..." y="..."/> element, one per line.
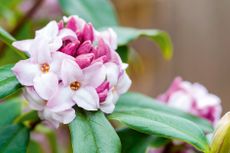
<point x="34" y="124"/>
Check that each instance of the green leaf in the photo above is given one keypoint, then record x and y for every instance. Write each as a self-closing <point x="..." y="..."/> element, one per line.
<point x="137" y="100"/>
<point x="9" y="110"/>
<point x="135" y="142"/>
<point x="8" y="82"/>
<point x="123" y="52"/>
<point x="14" y="139"/>
<point x="6" y="37"/>
<point x="101" y="12"/>
<point x="92" y="133"/>
<point x="161" y="38"/>
<point x="161" y="124"/>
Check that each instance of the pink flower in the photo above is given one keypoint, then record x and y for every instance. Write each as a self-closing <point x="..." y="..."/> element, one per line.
<point x="52" y="115"/>
<point x="193" y="98"/>
<point x="71" y="63"/>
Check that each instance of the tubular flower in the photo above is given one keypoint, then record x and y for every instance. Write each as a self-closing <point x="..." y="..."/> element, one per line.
<point x="193" y="98"/>
<point x="70" y="63"/>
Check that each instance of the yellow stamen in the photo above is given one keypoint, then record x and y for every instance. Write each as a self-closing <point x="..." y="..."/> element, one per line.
<point x="75" y="85"/>
<point x="45" y="68"/>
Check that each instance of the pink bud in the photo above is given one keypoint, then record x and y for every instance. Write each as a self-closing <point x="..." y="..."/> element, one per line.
<point x="88" y="33"/>
<point x="84" y="48"/>
<point x="102" y="50"/>
<point x="84" y="60"/>
<point x="70" y="48"/>
<point x="102" y="91"/>
<point x="61" y="25"/>
<point x="71" y="24"/>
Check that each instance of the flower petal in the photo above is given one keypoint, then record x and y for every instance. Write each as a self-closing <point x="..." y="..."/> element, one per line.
<point x="40" y="51"/>
<point x="67" y="34"/>
<point x="112" y="73"/>
<point x="26" y="71"/>
<point x="49" y="31"/>
<point x="124" y="83"/>
<point x="87" y="98"/>
<point x="35" y="101"/>
<point x="110" y="37"/>
<point x="46" y="85"/>
<point x="108" y="106"/>
<point x="57" y="59"/>
<point x="23" y="45"/>
<point x="55" y="44"/>
<point x="66" y="116"/>
<point x="62" y="99"/>
<point x="70" y="72"/>
<point x="94" y="75"/>
<point x="47" y="116"/>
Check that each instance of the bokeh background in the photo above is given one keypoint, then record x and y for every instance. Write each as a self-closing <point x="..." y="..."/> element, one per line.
<point x="200" y="31"/>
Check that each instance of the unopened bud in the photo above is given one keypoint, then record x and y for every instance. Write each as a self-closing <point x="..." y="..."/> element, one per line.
<point x="221" y="138"/>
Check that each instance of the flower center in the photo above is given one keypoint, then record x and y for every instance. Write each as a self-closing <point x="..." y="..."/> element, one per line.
<point x="75" y="85"/>
<point x="45" y="68"/>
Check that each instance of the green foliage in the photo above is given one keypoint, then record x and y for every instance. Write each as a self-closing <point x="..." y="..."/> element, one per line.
<point x="101" y="12"/>
<point x="8" y="82"/>
<point x="8" y="39"/>
<point x="123" y="51"/>
<point x="157" y="122"/>
<point x="137" y="100"/>
<point x="14" y="139"/>
<point x="161" y="38"/>
<point x="135" y="142"/>
<point x="91" y="132"/>
<point x="9" y="110"/>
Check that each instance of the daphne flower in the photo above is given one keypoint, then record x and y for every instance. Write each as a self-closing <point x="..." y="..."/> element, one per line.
<point x="70" y="64"/>
<point x="82" y="83"/>
<point x="41" y="71"/>
<point x="50" y="34"/>
<point x="117" y="83"/>
<point x="192" y="98"/>
<point x="110" y="37"/>
<point x="50" y="114"/>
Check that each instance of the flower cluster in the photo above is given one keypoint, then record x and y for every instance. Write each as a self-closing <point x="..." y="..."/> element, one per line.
<point x="194" y="99"/>
<point x="71" y="64"/>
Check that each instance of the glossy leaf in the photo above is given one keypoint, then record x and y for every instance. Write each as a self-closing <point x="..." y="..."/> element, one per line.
<point x="161" y="124"/>
<point x="101" y="12"/>
<point x="14" y="139"/>
<point x="136" y="142"/>
<point x="91" y="132"/>
<point x="6" y="37"/>
<point x="161" y="38"/>
<point x="8" y="82"/>
<point x="137" y="100"/>
<point x="9" y="110"/>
